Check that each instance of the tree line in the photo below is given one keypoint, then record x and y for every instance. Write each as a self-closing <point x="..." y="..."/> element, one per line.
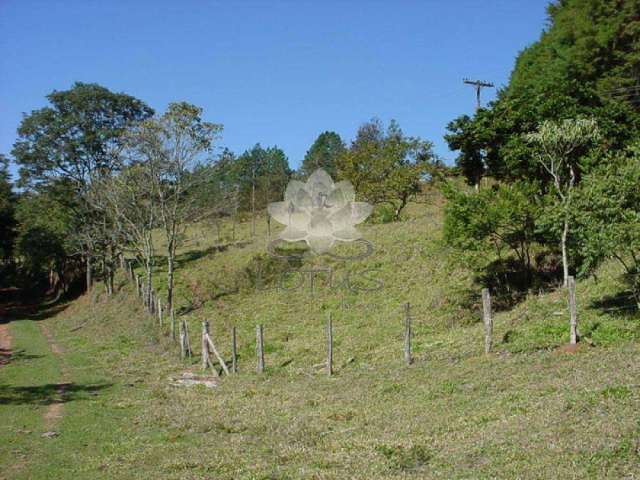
<point x="554" y="159"/>
<point x="103" y="177"/>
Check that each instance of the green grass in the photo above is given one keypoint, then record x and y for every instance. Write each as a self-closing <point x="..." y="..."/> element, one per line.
<point x="526" y="411"/>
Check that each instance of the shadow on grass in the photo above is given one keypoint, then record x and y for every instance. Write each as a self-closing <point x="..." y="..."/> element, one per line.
<point x="185" y="258"/>
<point x="17" y="355"/>
<point x="621" y="304"/>
<point x="48" y="393"/>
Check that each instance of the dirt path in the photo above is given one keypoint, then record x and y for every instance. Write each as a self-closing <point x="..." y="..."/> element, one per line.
<point x="55" y="408"/>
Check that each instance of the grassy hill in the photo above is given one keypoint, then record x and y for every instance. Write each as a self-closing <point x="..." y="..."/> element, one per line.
<point x="528" y="410"/>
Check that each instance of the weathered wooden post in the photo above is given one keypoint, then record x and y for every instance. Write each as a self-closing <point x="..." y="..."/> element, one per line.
<point x="487" y="319"/>
<point x="152" y="302"/>
<point x="260" y="349"/>
<point x="407" y="334"/>
<point x="183" y="351"/>
<point x="205" y="345"/>
<point x="329" y="344"/>
<point x="173" y="325"/>
<point x="573" y="311"/>
<point x="159" y="312"/>
<point x="234" y="350"/>
<point x="187" y="342"/>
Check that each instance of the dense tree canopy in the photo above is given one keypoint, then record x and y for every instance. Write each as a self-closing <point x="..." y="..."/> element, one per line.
<point x="583" y="65"/>
<point x="7" y="212"/>
<point x="385" y="167"/>
<point x="77" y="136"/>
<point x="324" y="153"/>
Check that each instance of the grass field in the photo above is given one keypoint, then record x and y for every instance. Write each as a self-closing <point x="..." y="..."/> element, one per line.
<point x="526" y="411"/>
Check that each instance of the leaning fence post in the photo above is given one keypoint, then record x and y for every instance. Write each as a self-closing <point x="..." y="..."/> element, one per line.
<point x="329" y="344"/>
<point x="205" y="345"/>
<point x="234" y="351"/>
<point x="573" y="311"/>
<point x="486" y="318"/>
<point x="260" y="348"/>
<point x="407" y="334"/>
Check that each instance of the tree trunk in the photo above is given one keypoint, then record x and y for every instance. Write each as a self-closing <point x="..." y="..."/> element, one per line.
<point x="253" y="206"/>
<point x="563" y="245"/>
<point x="170" y="281"/>
<point x="147" y="293"/>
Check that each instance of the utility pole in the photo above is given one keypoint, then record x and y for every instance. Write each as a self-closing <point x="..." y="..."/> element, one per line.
<point x="479" y="84"/>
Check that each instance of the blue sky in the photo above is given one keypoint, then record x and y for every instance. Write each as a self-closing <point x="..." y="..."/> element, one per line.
<point x="277" y="72"/>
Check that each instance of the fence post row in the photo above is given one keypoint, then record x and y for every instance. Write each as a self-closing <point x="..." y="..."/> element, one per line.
<point x="259" y="349"/>
<point x="407" y="334"/>
<point x="488" y="321"/>
<point x="573" y="311"/>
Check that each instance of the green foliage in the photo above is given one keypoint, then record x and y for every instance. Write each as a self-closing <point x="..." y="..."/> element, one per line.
<point x="45" y="223"/>
<point x="385" y="167"/>
<point x="7" y="214"/>
<point x="324" y="153"/>
<point x="265" y="168"/>
<point x="464" y="139"/>
<point x="76" y="136"/>
<point x="608" y="216"/>
<point x="495" y="219"/>
<point x="589" y="50"/>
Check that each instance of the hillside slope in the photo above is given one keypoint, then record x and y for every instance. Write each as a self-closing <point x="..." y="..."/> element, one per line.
<point x="526" y="411"/>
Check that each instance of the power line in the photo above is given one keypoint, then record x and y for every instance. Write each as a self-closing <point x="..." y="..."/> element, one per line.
<point x="479" y="84"/>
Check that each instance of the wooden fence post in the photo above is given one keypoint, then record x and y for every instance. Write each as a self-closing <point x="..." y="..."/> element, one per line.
<point x="407" y="334"/>
<point x="205" y="345"/>
<point x="187" y="342"/>
<point x="138" y="291"/>
<point x="215" y="351"/>
<point x="173" y="325"/>
<point x="183" y="351"/>
<point x="573" y="311"/>
<point x="260" y="348"/>
<point x="159" y="312"/>
<point x="487" y="319"/>
<point x="329" y="344"/>
<point x="234" y="350"/>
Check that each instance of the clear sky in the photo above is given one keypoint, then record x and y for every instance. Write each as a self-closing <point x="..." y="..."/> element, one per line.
<point x="274" y="72"/>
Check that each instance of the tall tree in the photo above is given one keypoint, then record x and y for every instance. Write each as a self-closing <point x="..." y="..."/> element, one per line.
<point x="262" y="175"/>
<point x="77" y="138"/>
<point x="462" y="138"/>
<point x="7" y="215"/>
<point x="172" y="146"/>
<point x="385" y="167"/>
<point x="561" y="145"/>
<point x="585" y="64"/>
<point x="324" y="153"/>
